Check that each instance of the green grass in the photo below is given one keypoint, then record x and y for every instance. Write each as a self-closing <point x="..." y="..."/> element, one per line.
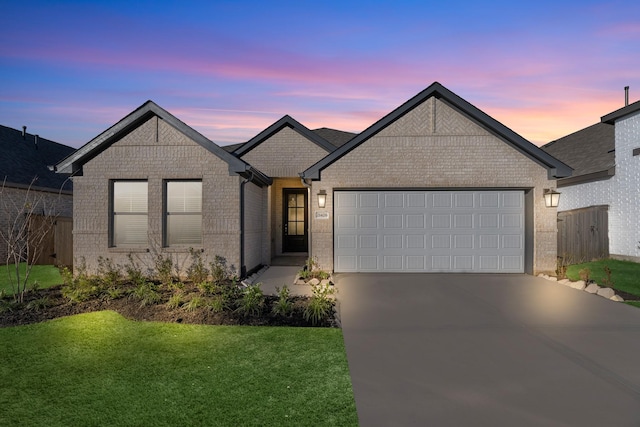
<point x="101" y="369"/>
<point x="624" y="274"/>
<point x="45" y="275"/>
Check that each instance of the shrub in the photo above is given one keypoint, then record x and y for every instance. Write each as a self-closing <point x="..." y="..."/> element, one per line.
<point x="164" y="269"/>
<point x="220" y="272"/>
<point x="175" y="301"/>
<point x="197" y="271"/>
<point x="146" y="293"/>
<point x="585" y="275"/>
<point x="114" y="292"/>
<point x="194" y="303"/>
<point x="39" y="304"/>
<point x="283" y="306"/>
<point x="607" y="280"/>
<point x="81" y="287"/>
<point x="252" y="301"/>
<point x="134" y="272"/>
<point x="108" y="272"/>
<point x="217" y="304"/>
<point x="319" y="307"/>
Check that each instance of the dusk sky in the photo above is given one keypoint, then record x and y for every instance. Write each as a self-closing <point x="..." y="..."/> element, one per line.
<point x="71" y="69"/>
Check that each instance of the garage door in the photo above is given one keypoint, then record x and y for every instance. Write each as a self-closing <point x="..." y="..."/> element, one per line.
<point x="429" y="231"/>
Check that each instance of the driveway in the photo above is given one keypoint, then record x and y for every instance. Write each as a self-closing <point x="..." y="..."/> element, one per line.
<point x="488" y="350"/>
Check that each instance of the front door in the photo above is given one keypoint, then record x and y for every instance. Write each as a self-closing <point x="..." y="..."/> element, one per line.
<point x="294" y="221"/>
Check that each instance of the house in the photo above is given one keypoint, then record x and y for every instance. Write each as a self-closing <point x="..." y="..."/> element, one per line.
<point x="435" y="185"/>
<point x="24" y="172"/>
<point x="603" y="195"/>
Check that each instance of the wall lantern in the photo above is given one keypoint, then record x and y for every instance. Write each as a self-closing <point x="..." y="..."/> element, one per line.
<point x="322" y="199"/>
<point x="551" y="198"/>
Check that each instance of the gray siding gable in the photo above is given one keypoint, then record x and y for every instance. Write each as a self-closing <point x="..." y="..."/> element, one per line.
<point x="556" y="168"/>
<point x="73" y="163"/>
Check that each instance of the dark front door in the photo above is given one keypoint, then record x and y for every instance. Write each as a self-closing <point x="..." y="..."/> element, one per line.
<point x="294" y="221"/>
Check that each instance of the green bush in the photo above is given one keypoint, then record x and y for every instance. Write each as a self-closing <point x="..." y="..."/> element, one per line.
<point x="319" y="307"/>
<point x="195" y="303"/>
<point x="252" y="301"/>
<point x="147" y="293"/>
<point x="175" y="301"/>
<point x="283" y="306"/>
<point x="197" y="271"/>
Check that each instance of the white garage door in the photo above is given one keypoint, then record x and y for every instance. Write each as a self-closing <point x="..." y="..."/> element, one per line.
<point x="432" y="231"/>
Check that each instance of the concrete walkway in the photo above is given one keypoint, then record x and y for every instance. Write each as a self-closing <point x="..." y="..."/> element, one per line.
<point x="277" y="276"/>
<point x="488" y="350"/>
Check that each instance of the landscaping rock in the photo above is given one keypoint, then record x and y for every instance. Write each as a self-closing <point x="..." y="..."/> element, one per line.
<point x="325" y="282"/>
<point x="553" y="279"/>
<point x="314" y="282"/>
<point x="606" y="292"/>
<point x="564" y="281"/>
<point x="592" y="288"/>
<point x="300" y="282"/>
<point x="541" y="275"/>
<point x="617" y="298"/>
<point x="579" y="285"/>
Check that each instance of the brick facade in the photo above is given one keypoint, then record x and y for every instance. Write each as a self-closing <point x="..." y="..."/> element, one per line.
<point x="432" y="147"/>
<point x="155" y="151"/>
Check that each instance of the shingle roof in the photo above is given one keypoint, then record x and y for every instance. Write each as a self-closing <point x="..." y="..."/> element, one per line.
<point x="21" y="160"/>
<point x="624" y="111"/>
<point x="587" y="151"/>
<point x="555" y="168"/>
<point x="334" y="136"/>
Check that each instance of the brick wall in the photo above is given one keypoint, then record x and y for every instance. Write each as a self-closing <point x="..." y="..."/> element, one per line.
<point x="434" y="146"/>
<point x="285" y="154"/>
<point x="155" y="151"/>
<point x="255" y="238"/>
<point x="13" y="199"/>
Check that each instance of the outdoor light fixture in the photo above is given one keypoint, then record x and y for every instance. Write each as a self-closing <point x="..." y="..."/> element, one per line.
<point x="551" y="198"/>
<point x="322" y="199"/>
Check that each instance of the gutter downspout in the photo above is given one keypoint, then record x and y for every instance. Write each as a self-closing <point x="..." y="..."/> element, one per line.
<point x="243" y="268"/>
<point x="309" y="243"/>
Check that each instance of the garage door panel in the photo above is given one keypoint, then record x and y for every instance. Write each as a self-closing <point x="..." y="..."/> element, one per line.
<point x="457" y="231"/>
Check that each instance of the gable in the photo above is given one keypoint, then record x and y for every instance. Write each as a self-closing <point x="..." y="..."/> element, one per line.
<point x="284" y="154"/>
<point x="438" y="111"/>
<point x="74" y="163"/>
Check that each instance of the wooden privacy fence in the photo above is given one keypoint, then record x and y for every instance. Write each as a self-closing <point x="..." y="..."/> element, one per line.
<point x="57" y="246"/>
<point x="583" y="234"/>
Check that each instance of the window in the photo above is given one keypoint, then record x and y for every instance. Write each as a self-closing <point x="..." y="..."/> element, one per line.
<point x="129" y="219"/>
<point x="183" y="214"/>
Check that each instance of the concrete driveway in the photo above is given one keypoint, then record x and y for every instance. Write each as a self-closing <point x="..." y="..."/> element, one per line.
<point x="488" y="350"/>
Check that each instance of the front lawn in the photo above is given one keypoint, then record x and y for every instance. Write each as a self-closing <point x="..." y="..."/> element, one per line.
<point x="624" y="274"/>
<point x="101" y="369"/>
<point x="45" y="275"/>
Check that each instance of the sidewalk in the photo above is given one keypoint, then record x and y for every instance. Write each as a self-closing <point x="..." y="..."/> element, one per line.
<point x="278" y="276"/>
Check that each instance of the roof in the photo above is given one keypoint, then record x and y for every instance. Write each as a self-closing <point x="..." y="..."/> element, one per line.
<point x="556" y="168"/>
<point x="336" y="137"/>
<point x="590" y="152"/>
<point x="73" y="163"/>
<point x="286" y="121"/>
<point x="624" y="111"/>
<point x="232" y="147"/>
<point x="22" y="160"/>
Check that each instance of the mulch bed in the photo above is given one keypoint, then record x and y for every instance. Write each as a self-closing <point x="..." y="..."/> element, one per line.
<point x="59" y="306"/>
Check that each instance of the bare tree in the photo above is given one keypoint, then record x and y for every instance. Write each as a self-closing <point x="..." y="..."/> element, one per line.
<point x="30" y="218"/>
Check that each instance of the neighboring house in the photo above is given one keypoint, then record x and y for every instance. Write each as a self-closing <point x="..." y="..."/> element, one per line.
<point x="436" y="185"/>
<point x="24" y="161"/>
<point x="604" y="191"/>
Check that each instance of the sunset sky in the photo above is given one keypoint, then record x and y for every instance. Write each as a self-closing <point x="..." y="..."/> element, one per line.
<point x="71" y="69"/>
